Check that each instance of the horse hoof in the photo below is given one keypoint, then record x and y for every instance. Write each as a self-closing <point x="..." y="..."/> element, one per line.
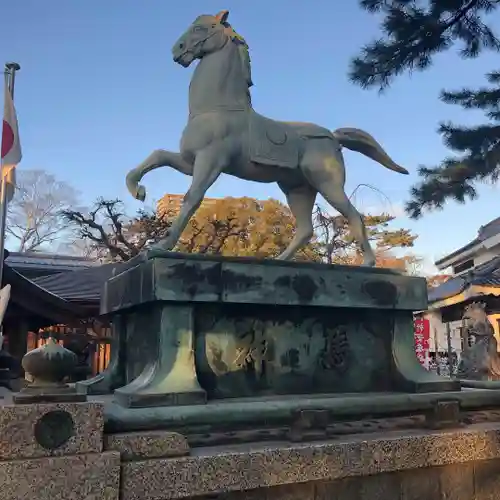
<point x="283" y="258"/>
<point x="134" y="188"/>
<point x="141" y="193"/>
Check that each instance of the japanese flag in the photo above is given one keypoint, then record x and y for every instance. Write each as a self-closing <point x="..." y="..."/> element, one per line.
<point x="11" y="147"/>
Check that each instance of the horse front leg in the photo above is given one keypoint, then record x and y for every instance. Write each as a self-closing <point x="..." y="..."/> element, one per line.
<point x="158" y="158"/>
<point x="208" y="166"/>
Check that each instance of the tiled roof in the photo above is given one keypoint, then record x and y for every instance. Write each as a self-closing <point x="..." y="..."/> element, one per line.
<point x="487" y="274"/>
<point x="447" y="289"/>
<point x="83" y="285"/>
<point x="490" y="229"/>
<point x="42" y="307"/>
<point x="38" y="259"/>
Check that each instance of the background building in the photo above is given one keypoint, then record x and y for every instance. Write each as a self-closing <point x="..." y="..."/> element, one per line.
<point x="475" y="277"/>
<point x="171" y="203"/>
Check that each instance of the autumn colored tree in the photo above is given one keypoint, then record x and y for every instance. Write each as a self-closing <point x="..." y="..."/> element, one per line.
<point x="236" y="227"/>
<point x="226" y="226"/>
<point x="241" y="227"/>
<point x="412" y="34"/>
<point x="334" y="245"/>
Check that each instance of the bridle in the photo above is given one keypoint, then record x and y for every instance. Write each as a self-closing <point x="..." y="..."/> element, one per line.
<point x="192" y="50"/>
<point x="202" y="41"/>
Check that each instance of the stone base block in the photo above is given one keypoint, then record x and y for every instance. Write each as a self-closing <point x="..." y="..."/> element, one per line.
<point x="145" y="399"/>
<point x="304" y="418"/>
<point x="42" y="430"/>
<point x="479" y="481"/>
<point x="192" y="329"/>
<point x="82" y="477"/>
<point x="33" y="394"/>
<point x="141" y="445"/>
<point x="379" y="465"/>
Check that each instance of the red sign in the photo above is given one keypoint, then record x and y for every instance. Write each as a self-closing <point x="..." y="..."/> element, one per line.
<point x="422" y="331"/>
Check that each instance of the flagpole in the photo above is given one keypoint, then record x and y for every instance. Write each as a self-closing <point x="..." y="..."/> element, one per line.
<point x="10" y="70"/>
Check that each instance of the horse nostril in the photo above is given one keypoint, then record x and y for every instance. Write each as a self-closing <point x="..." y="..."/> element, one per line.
<point x="181" y="46"/>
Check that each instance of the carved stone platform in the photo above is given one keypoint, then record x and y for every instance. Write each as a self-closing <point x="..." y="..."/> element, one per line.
<point x="194" y="328"/>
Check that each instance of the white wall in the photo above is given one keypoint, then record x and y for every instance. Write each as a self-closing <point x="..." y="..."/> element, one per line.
<point x="438" y="332"/>
<point x="486" y="255"/>
<point x="488" y="251"/>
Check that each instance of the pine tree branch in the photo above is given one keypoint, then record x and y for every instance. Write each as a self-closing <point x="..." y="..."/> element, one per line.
<point x="414" y="35"/>
<point x="454" y="180"/>
<point x="486" y="99"/>
<point x="477" y="151"/>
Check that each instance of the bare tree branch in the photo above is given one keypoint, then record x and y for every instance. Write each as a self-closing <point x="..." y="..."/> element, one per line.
<point x="34" y="218"/>
<point x="101" y="228"/>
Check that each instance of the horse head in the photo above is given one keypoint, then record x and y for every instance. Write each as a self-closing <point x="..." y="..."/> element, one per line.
<point x="208" y="34"/>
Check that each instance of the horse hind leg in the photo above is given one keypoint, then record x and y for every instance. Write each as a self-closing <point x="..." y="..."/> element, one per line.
<point x="325" y="170"/>
<point x="301" y="202"/>
<point x="337" y="198"/>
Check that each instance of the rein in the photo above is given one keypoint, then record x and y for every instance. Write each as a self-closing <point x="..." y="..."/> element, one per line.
<point x="203" y="40"/>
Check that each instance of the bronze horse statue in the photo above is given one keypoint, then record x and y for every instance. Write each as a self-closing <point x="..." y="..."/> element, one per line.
<point x="225" y="135"/>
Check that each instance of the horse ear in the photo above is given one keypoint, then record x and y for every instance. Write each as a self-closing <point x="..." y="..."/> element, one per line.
<point x="222" y="16"/>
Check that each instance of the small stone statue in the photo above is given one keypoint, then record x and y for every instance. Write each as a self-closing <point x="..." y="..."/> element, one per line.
<point x="479" y="361"/>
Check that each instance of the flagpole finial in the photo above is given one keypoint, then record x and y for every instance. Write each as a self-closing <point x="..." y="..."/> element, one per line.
<point x="12" y="66"/>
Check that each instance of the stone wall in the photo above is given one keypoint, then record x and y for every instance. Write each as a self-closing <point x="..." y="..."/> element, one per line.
<point x="478" y="481"/>
<point x="394" y="465"/>
<point x="60" y="451"/>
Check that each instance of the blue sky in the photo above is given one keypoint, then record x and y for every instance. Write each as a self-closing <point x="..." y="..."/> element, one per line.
<point x="98" y="91"/>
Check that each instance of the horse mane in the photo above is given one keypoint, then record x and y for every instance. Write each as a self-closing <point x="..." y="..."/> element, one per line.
<point x="243" y="51"/>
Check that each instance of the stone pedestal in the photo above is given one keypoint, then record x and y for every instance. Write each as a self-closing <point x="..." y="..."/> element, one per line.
<point x="58" y="451"/>
<point x="193" y="329"/>
<point x="55" y="451"/>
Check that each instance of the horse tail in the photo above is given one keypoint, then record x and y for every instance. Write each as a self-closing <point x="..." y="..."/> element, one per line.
<point x="362" y="142"/>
